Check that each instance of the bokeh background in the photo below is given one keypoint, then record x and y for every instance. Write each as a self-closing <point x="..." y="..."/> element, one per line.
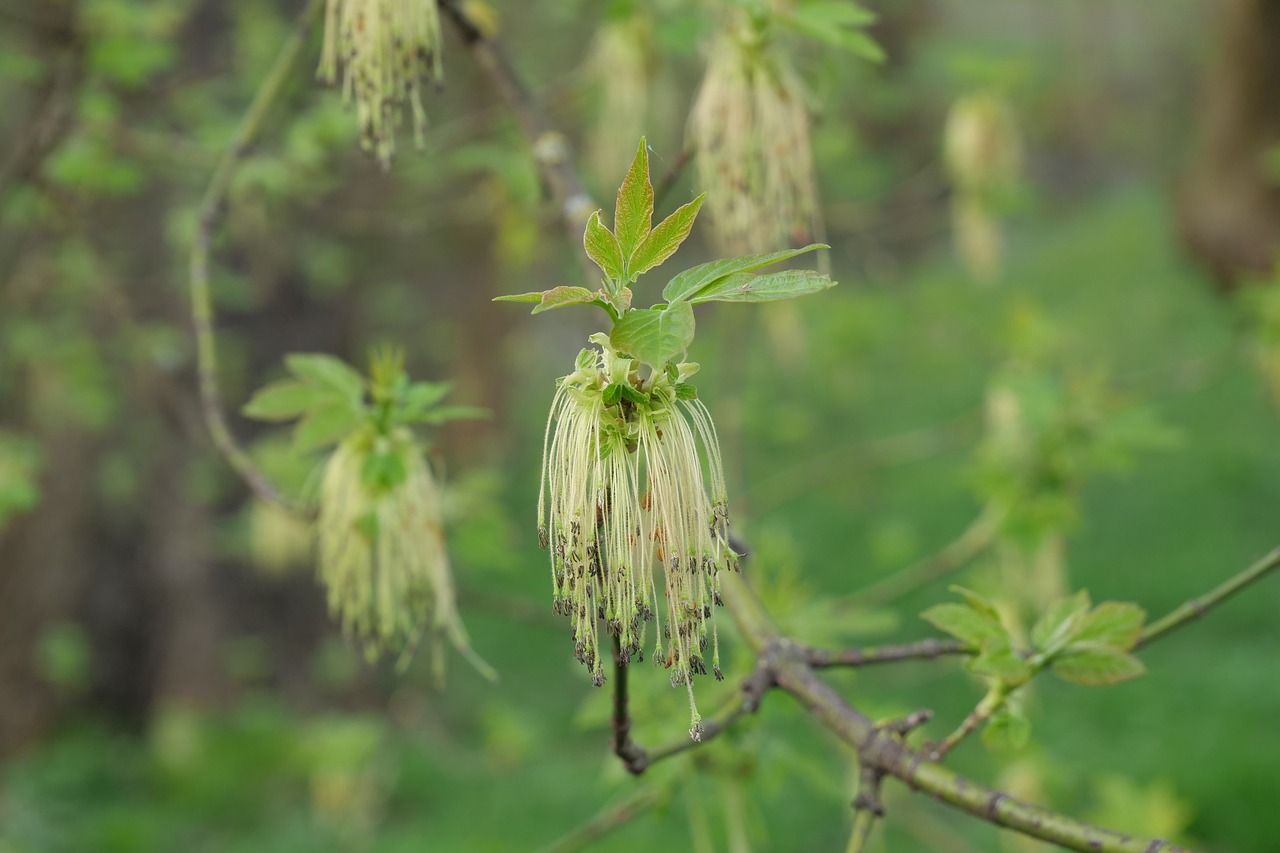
<point x="169" y="676"/>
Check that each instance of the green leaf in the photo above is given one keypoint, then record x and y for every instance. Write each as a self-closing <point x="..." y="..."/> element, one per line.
<point x="749" y="287"/>
<point x="1113" y="624"/>
<point x="1097" y="666"/>
<point x="1057" y="624"/>
<point x="836" y="22"/>
<point x="286" y="400"/>
<point x="633" y="215"/>
<point x="384" y="470"/>
<point x="421" y="396"/>
<point x="998" y="660"/>
<point x="325" y="426"/>
<point x="965" y="623"/>
<point x="663" y="240"/>
<point x="1007" y="730"/>
<point x="695" y="279"/>
<point x="977" y="602"/>
<point x="531" y="296"/>
<point x="326" y="371"/>
<point x="559" y="297"/>
<point x="603" y="248"/>
<point x="441" y="414"/>
<point x="655" y="335"/>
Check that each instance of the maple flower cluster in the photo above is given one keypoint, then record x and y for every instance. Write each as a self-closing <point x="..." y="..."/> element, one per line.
<point x="622" y="487"/>
<point x="387" y="49"/>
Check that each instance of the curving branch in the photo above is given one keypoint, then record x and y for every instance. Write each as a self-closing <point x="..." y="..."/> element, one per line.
<point x="550" y="147"/>
<point x="976" y="538"/>
<point x="211" y="211"/>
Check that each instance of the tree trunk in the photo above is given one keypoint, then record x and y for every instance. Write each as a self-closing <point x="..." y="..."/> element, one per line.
<point x="1230" y="206"/>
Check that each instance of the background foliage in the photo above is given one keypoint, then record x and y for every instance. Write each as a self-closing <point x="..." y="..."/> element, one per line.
<point x="170" y="679"/>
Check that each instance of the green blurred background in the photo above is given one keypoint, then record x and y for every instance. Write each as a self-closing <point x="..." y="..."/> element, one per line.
<point x="169" y="678"/>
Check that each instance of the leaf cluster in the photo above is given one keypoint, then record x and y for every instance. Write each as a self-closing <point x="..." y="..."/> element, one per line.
<point x="331" y="400"/>
<point x="1079" y="642"/>
<point x="662" y="332"/>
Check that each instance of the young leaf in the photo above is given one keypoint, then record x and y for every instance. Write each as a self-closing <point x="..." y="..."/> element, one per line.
<point x="559" y="297"/>
<point x="655" y="335"/>
<point x="602" y="247"/>
<point x="663" y="240"/>
<point x="1113" y="624"/>
<point x="327" y="425"/>
<point x="750" y="287"/>
<point x="977" y="602"/>
<point x="965" y="623"/>
<point x="383" y="470"/>
<point x="1007" y="730"/>
<point x="1058" y="623"/>
<point x="531" y="296"/>
<point x="440" y="414"/>
<point x="835" y="22"/>
<point x="1097" y="667"/>
<point x="326" y="371"/>
<point x="998" y="660"/>
<point x="633" y="215"/>
<point x="556" y="297"/>
<point x="695" y="279"/>
<point x="286" y="400"/>
<point x="424" y="395"/>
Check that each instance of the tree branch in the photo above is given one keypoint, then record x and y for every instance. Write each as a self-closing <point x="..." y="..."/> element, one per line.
<point x="1197" y="607"/>
<point x="550" y="148"/>
<point x="975" y="539"/>
<point x="211" y="210"/>
<point x="605" y="822"/>
<point x="929" y="649"/>
<point x="637" y="760"/>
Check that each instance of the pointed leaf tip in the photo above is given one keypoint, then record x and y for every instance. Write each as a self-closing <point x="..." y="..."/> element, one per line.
<point x="633" y="215"/>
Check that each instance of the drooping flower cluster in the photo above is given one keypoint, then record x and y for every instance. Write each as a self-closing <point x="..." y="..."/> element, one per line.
<point x="386" y="48"/>
<point x="750" y="130"/>
<point x="622" y="486"/>
<point x="983" y="153"/>
<point x="382" y="551"/>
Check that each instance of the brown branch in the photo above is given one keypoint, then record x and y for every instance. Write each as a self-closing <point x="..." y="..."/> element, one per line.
<point x="47" y="130"/>
<point x="637" y="760"/>
<point x="211" y="210"/>
<point x="929" y="649"/>
<point x="550" y="148"/>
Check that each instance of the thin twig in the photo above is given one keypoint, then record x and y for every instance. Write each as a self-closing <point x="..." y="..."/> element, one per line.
<point x="550" y="148"/>
<point x="975" y="539"/>
<point x="632" y="754"/>
<point x="668" y="181"/>
<point x="211" y="208"/>
<point x="637" y="759"/>
<point x="605" y="822"/>
<point x="929" y="649"/>
<point x="1197" y="607"/>
<point x="47" y="130"/>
